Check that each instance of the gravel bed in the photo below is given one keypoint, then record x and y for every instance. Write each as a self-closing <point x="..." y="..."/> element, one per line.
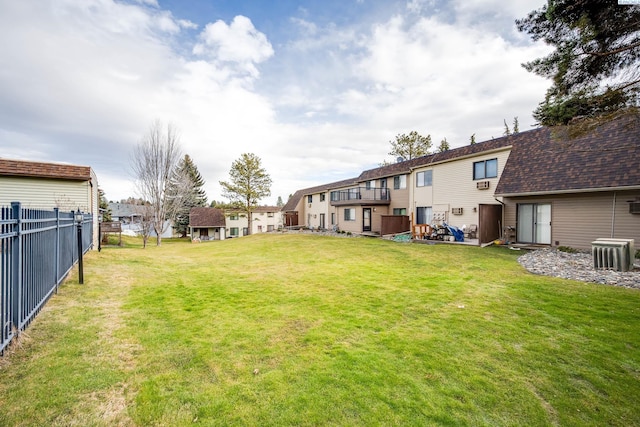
<point x="577" y="266"/>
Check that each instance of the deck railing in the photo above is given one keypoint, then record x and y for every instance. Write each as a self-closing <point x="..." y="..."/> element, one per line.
<point x="38" y="248"/>
<point x="361" y="194"/>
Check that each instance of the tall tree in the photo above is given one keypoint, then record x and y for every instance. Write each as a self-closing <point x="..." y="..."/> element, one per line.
<point x="279" y="203"/>
<point x="410" y="146"/>
<point x="594" y="67"/>
<point x="195" y="195"/>
<point x="444" y="146"/>
<point x="249" y="182"/>
<point x="507" y="131"/>
<point x="472" y="139"/>
<point x="154" y="163"/>
<point x="104" y="206"/>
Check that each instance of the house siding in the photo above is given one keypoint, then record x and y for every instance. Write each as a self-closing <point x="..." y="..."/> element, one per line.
<point x="37" y="193"/>
<point x="453" y="186"/>
<point x="313" y="210"/>
<point x="579" y="219"/>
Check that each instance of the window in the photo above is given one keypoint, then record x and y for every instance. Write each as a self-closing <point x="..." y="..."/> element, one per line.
<point x="424" y="215"/>
<point x="269" y="214"/>
<point x="270" y="228"/>
<point x="485" y="169"/>
<point x="333" y="218"/>
<point x="259" y="229"/>
<point x="399" y="211"/>
<point x="350" y="214"/>
<point x="399" y="182"/>
<point x="310" y="198"/>
<point x="233" y="231"/>
<point x="423" y="179"/>
<point x="335" y="196"/>
<point x="233" y="217"/>
<point x="370" y="184"/>
<point x="323" y="196"/>
<point x="383" y="183"/>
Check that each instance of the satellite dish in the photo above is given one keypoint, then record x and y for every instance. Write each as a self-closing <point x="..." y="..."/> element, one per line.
<point x="400" y="159"/>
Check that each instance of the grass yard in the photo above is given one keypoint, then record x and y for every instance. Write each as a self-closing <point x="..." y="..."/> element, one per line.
<point x="296" y="329"/>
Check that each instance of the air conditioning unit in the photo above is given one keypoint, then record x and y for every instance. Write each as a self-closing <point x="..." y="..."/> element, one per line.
<point x="456" y="211"/>
<point x="613" y="254"/>
<point x="482" y="185"/>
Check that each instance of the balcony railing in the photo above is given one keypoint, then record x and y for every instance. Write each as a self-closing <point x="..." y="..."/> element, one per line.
<point x="361" y="196"/>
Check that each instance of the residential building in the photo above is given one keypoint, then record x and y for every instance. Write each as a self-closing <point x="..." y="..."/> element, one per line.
<point x="45" y="185"/>
<point x="207" y="224"/>
<point x="538" y="186"/>
<point x="568" y="191"/>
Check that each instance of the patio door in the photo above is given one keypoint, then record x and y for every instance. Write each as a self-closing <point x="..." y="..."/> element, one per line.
<point x="366" y="219"/>
<point x="534" y="223"/>
<point x="322" y="221"/>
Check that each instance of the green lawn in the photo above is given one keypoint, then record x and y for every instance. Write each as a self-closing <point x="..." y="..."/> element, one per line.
<point x="293" y="329"/>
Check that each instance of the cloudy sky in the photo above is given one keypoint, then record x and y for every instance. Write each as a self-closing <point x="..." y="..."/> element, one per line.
<point x="316" y="89"/>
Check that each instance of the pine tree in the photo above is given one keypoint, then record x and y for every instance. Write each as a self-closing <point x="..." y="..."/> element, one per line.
<point x="594" y="64"/>
<point x="444" y="146"/>
<point x="197" y="196"/>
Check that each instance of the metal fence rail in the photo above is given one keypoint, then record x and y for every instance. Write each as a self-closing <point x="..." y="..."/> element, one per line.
<point x="38" y="248"/>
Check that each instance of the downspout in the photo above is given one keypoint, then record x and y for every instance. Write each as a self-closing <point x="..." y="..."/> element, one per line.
<point x="502" y="235"/>
<point x="613" y="216"/>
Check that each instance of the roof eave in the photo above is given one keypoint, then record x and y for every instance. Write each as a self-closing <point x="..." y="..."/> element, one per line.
<point x="569" y="191"/>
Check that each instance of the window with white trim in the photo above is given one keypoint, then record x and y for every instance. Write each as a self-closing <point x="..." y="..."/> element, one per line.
<point x="399" y="182"/>
<point x="485" y="169"/>
<point x="350" y="214"/>
<point x="424" y="178"/>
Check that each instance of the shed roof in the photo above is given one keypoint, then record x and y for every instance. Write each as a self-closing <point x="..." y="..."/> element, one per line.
<point x="548" y="161"/>
<point x="206" y="217"/>
<point x="30" y="169"/>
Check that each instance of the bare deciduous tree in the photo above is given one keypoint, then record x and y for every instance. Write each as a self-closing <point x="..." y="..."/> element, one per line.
<point x="154" y="164"/>
<point x="145" y="212"/>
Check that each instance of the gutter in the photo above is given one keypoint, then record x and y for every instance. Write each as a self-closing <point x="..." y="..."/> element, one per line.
<point x="570" y="191"/>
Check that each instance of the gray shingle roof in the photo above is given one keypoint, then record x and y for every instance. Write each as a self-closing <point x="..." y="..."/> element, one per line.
<point x="295" y="198"/>
<point x="546" y="161"/>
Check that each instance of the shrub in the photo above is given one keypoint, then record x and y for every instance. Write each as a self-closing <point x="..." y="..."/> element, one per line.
<point x="567" y="249"/>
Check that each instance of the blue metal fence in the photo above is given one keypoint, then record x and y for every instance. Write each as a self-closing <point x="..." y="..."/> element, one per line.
<point x="38" y="248"/>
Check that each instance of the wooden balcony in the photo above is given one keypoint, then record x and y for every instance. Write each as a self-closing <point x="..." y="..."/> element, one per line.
<point x="361" y="196"/>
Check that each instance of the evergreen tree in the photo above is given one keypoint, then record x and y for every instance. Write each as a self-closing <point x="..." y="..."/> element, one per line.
<point x="444" y="146"/>
<point x="472" y="139"/>
<point x="249" y="182"/>
<point x="594" y="64"/>
<point x="104" y="206"/>
<point x="410" y="146"/>
<point x="196" y="194"/>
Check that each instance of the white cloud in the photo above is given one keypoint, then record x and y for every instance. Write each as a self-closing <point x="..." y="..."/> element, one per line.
<point x="82" y="80"/>
<point x="238" y="42"/>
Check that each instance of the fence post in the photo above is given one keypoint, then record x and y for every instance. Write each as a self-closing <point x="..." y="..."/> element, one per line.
<point x="16" y="254"/>
<point x="57" y="256"/>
